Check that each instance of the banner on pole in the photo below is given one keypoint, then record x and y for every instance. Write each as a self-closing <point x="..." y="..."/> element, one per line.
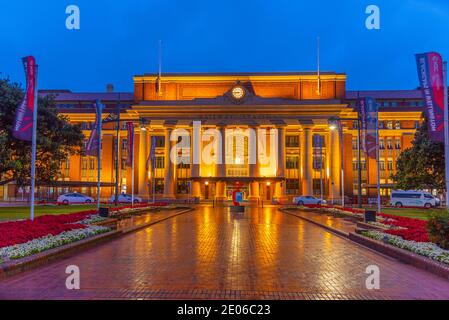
<point x="23" y="123"/>
<point x="368" y="109"/>
<point x="430" y="73"/>
<point x="151" y="161"/>
<point x="318" y="144"/>
<point x="94" y="139"/>
<point x="130" y="146"/>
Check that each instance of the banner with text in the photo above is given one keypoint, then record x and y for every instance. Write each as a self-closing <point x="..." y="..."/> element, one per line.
<point x="430" y="73"/>
<point x="130" y="129"/>
<point x="23" y="123"/>
<point x="368" y="109"/>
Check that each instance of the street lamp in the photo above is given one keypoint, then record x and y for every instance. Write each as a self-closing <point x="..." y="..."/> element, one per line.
<point x="335" y="123"/>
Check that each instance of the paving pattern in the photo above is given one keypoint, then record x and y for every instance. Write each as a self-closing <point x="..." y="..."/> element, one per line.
<point x="210" y="253"/>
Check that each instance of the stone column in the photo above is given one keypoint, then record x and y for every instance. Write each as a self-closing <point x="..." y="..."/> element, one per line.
<point x="307" y="161"/>
<point x="221" y="167"/>
<point x="254" y="170"/>
<point x="143" y="155"/>
<point x="335" y="157"/>
<point x="169" y="180"/>
<point x="280" y="173"/>
<point x="196" y="148"/>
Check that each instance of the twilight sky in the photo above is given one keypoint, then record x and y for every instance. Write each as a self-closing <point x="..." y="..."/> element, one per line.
<point x="119" y="39"/>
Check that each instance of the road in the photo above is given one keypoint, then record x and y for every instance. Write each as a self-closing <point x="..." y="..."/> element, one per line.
<point x="210" y="253"/>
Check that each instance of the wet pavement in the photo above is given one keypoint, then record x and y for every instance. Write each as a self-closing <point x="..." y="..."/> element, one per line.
<point x="210" y="253"/>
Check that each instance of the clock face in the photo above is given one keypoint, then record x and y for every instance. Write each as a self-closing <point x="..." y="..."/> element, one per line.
<point x="238" y="92"/>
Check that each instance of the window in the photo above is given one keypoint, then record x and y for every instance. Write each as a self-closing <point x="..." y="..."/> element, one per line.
<point x="394" y="104"/>
<point x="160" y="162"/>
<point x="84" y="164"/>
<point x="390" y="165"/>
<point x="386" y="104"/>
<point x="292" y="186"/>
<point x="389" y="125"/>
<point x="316" y="183"/>
<point x="159" y="186"/>
<point x="160" y="141"/>
<point x="123" y="164"/>
<point x="381" y="125"/>
<point x="124" y="144"/>
<point x="381" y="144"/>
<point x="355" y="124"/>
<point x="397" y="143"/>
<point x="292" y="162"/>
<point x="292" y="141"/>
<point x="382" y="165"/>
<point x="397" y="125"/>
<point x="182" y="187"/>
<point x="416" y="125"/>
<point x="389" y="143"/>
<point x="92" y="164"/>
<point x="183" y="165"/>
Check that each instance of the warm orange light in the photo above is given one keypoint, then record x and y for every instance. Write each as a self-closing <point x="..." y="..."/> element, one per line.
<point x="206" y="183"/>
<point x="268" y="183"/>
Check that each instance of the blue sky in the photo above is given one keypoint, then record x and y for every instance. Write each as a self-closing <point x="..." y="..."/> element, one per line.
<point x="119" y="39"/>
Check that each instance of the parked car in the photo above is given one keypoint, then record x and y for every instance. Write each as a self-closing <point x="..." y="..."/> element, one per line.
<point x="412" y="198"/>
<point x="125" y="198"/>
<point x="70" y="198"/>
<point x="302" y="200"/>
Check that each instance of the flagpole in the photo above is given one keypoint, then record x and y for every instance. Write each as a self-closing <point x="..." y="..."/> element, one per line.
<point x="446" y="131"/>
<point x="99" y="122"/>
<point x="132" y="170"/>
<point x="318" y="66"/>
<point x="33" y="147"/>
<point x="378" y="161"/>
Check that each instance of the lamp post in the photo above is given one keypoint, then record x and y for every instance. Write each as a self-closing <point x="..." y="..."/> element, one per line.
<point x="335" y="124"/>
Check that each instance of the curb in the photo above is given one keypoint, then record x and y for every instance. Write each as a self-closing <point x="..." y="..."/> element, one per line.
<point x="333" y="230"/>
<point x="14" y="267"/>
<point x="405" y="256"/>
<point x="408" y="257"/>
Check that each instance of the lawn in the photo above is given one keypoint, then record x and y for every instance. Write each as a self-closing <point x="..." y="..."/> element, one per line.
<point x="423" y="214"/>
<point x="15" y="213"/>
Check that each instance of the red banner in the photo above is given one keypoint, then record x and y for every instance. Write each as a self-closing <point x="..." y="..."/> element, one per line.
<point x="130" y="128"/>
<point x="430" y="73"/>
<point x="23" y="124"/>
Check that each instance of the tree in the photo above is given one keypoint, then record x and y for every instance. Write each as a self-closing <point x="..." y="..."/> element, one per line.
<point x="57" y="139"/>
<point x="422" y="165"/>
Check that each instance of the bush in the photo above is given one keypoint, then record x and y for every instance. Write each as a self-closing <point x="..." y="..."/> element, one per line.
<point x="438" y="227"/>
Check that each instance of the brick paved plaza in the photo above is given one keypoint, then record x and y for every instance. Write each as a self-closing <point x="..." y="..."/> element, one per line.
<point x="210" y="253"/>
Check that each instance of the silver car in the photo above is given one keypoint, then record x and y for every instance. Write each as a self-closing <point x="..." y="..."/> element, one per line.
<point x="125" y="198"/>
<point x="71" y="198"/>
<point x="302" y="200"/>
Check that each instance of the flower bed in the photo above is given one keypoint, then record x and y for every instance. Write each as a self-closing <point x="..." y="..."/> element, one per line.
<point x="427" y="249"/>
<point x="409" y="228"/>
<point x="48" y="242"/>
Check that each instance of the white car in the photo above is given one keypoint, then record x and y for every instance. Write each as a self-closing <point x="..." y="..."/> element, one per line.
<point x="74" y="197"/>
<point x="302" y="200"/>
<point x="412" y="198"/>
<point x="125" y="198"/>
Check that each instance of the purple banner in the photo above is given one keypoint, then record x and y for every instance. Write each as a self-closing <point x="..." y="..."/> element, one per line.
<point x="368" y="115"/>
<point x="430" y="73"/>
<point x="23" y="124"/>
<point x="130" y="128"/>
<point x="94" y="138"/>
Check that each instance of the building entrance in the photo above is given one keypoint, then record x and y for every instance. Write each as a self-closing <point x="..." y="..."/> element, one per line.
<point x="243" y="188"/>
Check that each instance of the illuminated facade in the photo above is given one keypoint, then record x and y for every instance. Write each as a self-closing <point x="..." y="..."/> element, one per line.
<point x="292" y="108"/>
